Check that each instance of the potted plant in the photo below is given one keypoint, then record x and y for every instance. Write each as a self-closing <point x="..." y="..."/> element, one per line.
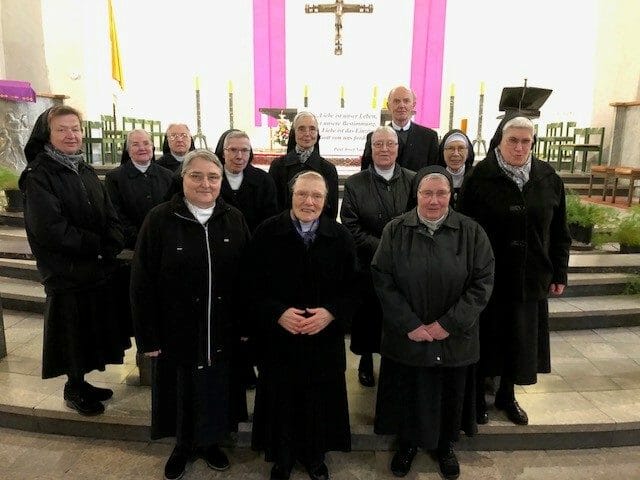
<point x="583" y="216"/>
<point x="627" y="232"/>
<point x="9" y="183"/>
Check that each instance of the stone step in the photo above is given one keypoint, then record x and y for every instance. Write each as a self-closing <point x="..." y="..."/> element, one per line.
<point x="570" y="313"/>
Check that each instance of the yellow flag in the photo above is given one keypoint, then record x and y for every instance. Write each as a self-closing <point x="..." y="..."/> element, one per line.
<point x="116" y="65"/>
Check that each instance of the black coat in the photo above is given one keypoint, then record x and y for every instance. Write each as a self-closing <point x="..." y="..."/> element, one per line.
<point x="420" y="149"/>
<point x="301" y="381"/>
<point x="422" y="278"/>
<point x="284" y="168"/>
<point x="256" y="197"/>
<point x="134" y="193"/>
<point x="368" y="204"/>
<point x="168" y="161"/>
<point x="176" y="306"/>
<point x="528" y="229"/>
<point x="71" y="225"/>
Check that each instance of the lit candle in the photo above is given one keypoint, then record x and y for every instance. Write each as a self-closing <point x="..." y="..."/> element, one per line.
<point x="452" y="91"/>
<point x="463" y="125"/>
<point x="481" y="88"/>
<point x="374" y="100"/>
<point x="306" y="90"/>
<point x="385" y="104"/>
<point x="197" y="81"/>
<point x="341" y="92"/>
<point x="230" y="87"/>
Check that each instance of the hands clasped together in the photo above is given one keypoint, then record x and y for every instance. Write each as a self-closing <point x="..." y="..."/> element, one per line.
<point x="306" y="322"/>
<point x="428" y="333"/>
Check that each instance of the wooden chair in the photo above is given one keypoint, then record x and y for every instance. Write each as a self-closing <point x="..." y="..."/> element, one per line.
<point x="630" y="173"/>
<point x="604" y="172"/>
<point x="92" y="138"/>
<point x="584" y="142"/>
<point x="112" y="140"/>
<point x="154" y="127"/>
<point x="553" y="131"/>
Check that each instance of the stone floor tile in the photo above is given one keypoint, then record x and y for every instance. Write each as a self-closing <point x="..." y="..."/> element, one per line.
<point x="622" y="405"/>
<point x="557" y="408"/>
<point x="548" y="383"/>
<point x="17" y="364"/>
<point x="618" y="335"/>
<point x="592" y="383"/>
<point x="598" y="350"/>
<point x="615" y="366"/>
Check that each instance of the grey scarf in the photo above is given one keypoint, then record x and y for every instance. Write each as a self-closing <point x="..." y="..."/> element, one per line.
<point x="304" y="153"/>
<point x="520" y="175"/>
<point x="69" y="161"/>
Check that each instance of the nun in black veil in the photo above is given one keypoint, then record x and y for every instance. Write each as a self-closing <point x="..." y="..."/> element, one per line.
<point x="75" y="235"/>
<point x="303" y="153"/>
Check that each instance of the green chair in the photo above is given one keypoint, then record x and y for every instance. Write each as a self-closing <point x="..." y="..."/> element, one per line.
<point x="112" y="140"/>
<point x="584" y="142"/>
<point x="553" y="131"/>
<point x="92" y="139"/>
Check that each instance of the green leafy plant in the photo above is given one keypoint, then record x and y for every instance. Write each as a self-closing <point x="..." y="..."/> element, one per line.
<point x="633" y="287"/>
<point x="586" y="214"/>
<point x="8" y="179"/>
<point x="627" y="231"/>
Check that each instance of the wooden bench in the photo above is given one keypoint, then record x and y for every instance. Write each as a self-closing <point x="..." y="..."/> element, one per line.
<point x="601" y="171"/>
<point x="628" y="173"/>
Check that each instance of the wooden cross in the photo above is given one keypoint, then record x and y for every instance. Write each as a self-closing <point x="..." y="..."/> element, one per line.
<point x="338" y="8"/>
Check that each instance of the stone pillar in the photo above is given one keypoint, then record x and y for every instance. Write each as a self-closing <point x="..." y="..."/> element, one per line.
<point x="3" y="341"/>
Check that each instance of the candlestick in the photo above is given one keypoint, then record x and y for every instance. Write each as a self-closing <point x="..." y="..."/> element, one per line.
<point x="463" y="125"/>
<point x="481" y="88"/>
<point x="230" y="87"/>
<point x="197" y="82"/>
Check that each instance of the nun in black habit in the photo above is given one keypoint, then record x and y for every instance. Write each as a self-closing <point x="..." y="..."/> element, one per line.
<point x="75" y="235"/>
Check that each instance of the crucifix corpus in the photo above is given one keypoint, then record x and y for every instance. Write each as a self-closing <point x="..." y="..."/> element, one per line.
<point x="338" y="8"/>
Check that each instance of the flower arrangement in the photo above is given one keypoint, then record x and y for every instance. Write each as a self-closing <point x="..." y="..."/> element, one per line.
<point x="281" y="135"/>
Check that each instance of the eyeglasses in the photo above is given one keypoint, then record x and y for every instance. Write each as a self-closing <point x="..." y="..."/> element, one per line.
<point x="181" y="136"/>
<point x="198" y="177"/>
<point x="234" y="151"/>
<point x="315" y="197"/>
<point x="525" y="142"/>
<point x="456" y="149"/>
<point x="439" y="194"/>
<point x="389" y="145"/>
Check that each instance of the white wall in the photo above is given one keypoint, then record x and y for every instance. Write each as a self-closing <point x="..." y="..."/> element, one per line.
<point x="552" y="43"/>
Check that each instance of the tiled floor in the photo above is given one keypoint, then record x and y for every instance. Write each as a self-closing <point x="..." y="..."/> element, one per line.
<point x="30" y="456"/>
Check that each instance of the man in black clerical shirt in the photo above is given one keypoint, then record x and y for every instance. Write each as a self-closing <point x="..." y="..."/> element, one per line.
<point x="417" y="145"/>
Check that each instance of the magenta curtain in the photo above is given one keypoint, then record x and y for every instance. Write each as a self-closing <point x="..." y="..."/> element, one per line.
<point x="269" y="69"/>
<point x="426" y="59"/>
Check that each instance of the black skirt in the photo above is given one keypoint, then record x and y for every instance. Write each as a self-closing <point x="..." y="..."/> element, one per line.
<point x="366" y="327"/>
<point x="424" y="405"/>
<point x="197" y="406"/>
<point x="514" y="340"/>
<point x="82" y="332"/>
<point x="300" y="420"/>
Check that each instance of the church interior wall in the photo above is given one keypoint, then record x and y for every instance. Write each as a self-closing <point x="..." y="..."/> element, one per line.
<point x="572" y="47"/>
<point x="3" y="73"/>
<point x="617" y="64"/>
<point x="23" y="43"/>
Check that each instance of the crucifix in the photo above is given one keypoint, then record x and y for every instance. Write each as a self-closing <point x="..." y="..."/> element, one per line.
<point x="338" y="8"/>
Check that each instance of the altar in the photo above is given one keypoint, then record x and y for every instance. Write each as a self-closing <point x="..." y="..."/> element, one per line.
<point x="20" y="106"/>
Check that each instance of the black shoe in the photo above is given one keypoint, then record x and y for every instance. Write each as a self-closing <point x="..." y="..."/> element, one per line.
<point x="76" y="399"/>
<point x="174" y="468"/>
<point x="448" y="463"/>
<point x="279" y="473"/>
<point x="216" y="458"/>
<point x="514" y="412"/>
<point x="97" y="393"/>
<point x="321" y="472"/>
<point x="366" y="379"/>
<point x="482" y="417"/>
<point x="402" y="460"/>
